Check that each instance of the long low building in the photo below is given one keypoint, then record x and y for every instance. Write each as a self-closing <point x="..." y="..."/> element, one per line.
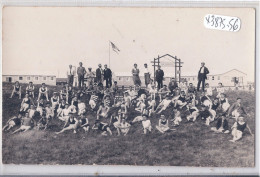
<point x="36" y="79"/>
<point x="228" y="79"/>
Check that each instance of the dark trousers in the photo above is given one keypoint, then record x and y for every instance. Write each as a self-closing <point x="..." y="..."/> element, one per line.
<point x="98" y="80"/>
<point x="201" y="80"/>
<point x="108" y="82"/>
<point x="81" y="80"/>
<point x="159" y="84"/>
<point x="70" y="79"/>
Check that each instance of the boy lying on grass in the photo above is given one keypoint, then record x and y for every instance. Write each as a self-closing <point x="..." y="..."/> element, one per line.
<point x="14" y="121"/>
<point x="26" y="124"/>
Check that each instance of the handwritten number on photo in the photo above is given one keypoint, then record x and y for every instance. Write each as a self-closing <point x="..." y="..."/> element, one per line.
<point x="221" y="22"/>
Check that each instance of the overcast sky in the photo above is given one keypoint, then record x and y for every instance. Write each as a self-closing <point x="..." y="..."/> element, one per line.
<point x="48" y="39"/>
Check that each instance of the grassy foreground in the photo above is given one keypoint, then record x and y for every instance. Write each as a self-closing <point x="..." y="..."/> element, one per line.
<point x="192" y="144"/>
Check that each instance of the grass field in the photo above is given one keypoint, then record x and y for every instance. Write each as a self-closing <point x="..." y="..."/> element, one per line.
<point x="193" y="144"/>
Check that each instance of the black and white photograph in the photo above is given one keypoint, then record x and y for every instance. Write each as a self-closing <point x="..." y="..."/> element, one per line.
<point x="132" y="86"/>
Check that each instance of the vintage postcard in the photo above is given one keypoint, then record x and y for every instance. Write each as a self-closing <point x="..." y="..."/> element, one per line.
<point x="128" y="86"/>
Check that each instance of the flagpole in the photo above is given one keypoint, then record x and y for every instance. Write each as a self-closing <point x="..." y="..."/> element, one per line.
<point x="109" y="54"/>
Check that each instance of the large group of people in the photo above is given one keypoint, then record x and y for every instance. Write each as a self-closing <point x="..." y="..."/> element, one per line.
<point x="116" y="108"/>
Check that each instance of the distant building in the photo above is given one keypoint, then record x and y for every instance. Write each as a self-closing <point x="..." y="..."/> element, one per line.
<point x="228" y="79"/>
<point x="36" y="79"/>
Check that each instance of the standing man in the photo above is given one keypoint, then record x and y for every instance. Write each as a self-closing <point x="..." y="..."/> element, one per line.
<point x="99" y="74"/>
<point x="70" y="75"/>
<point x="159" y="77"/>
<point x="107" y="76"/>
<point x="81" y="71"/>
<point x="90" y="77"/>
<point x="135" y="73"/>
<point x="202" y="76"/>
<point x="147" y="75"/>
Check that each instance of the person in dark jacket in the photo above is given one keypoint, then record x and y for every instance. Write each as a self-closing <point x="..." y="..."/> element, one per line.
<point x="172" y="86"/>
<point x="159" y="77"/>
<point x="202" y="76"/>
<point x="99" y="74"/>
<point x="222" y="125"/>
<point x="107" y="76"/>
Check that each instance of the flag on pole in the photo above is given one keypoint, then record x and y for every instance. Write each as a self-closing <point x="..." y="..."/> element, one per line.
<point x="114" y="47"/>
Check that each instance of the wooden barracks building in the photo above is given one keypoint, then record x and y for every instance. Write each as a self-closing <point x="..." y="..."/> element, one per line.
<point x="36" y="79"/>
<point x="228" y="79"/>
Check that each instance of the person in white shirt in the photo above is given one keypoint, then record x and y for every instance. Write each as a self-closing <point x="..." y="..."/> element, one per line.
<point x="220" y="90"/>
<point x="146" y="124"/>
<point x="209" y="91"/>
<point x="90" y="75"/>
<point x="147" y="75"/>
<point x="193" y="113"/>
<point x="70" y="74"/>
<point x="152" y="92"/>
<point x="81" y="107"/>
<point x="32" y="111"/>
<point x="132" y="93"/>
<point x="64" y="116"/>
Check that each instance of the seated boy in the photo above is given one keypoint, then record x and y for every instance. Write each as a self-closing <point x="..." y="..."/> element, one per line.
<point x="71" y="124"/>
<point x="222" y="125"/>
<point x="238" y="128"/>
<point x="146" y="124"/>
<point x="102" y="127"/>
<point x="163" y="124"/>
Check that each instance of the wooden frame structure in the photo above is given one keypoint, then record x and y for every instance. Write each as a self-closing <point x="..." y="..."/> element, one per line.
<point x="177" y="65"/>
